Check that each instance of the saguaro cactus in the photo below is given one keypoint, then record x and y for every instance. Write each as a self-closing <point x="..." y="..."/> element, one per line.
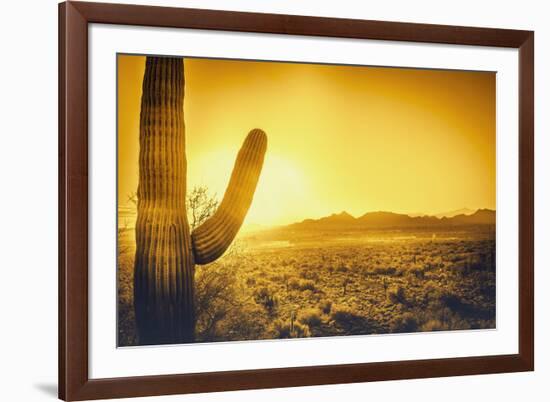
<point x="166" y="252"/>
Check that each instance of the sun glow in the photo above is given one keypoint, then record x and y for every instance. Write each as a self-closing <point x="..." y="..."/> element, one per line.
<point x="281" y="185"/>
<point x="340" y="138"/>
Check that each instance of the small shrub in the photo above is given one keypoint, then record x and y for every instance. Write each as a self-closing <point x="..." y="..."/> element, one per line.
<point x="434" y="325"/>
<point x="384" y="271"/>
<point x="311" y="317"/>
<point x="306" y="284"/>
<point x="418" y="273"/>
<point x="293" y="283"/>
<point x="342" y="268"/>
<point x="281" y="329"/>
<point x="342" y="314"/>
<point x="266" y="298"/>
<point x="325" y="306"/>
<point x="397" y="295"/>
<point x="405" y="323"/>
<point x="350" y="321"/>
<point x="285" y="330"/>
<point x="299" y="331"/>
<point x="309" y="275"/>
<point x="451" y="301"/>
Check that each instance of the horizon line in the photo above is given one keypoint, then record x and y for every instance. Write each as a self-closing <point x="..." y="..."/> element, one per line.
<point x="410" y="214"/>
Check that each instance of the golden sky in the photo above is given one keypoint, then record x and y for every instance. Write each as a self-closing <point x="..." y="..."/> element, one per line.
<point x="340" y="138"/>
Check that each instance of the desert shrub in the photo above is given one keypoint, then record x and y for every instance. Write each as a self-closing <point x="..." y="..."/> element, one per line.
<point x="221" y="312"/>
<point x="200" y="205"/>
<point x="397" y="295"/>
<point x="311" y="317"/>
<point x="325" y="306"/>
<point x="215" y="296"/>
<point x="429" y="266"/>
<point x="452" y="301"/>
<point x="306" y="284"/>
<point x="348" y="320"/>
<point x="243" y="322"/>
<point x="267" y="298"/>
<point x="306" y="274"/>
<point x="384" y="270"/>
<point x="286" y="329"/>
<point x="431" y="286"/>
<point x="433" y="325"/>
<point x="293" y="283"/>
<point x="454" y="257"/>
<point x="341" y="314"/>
<point x="453" y="320"/>
<point x="418" y="273"/>
<point x="487" y="287"/>
<point x="291" y="261"/>
<point x="281" y="329"/>
<point x="478" y="265"/>
<point x="126" y="318"/>
<point x="277" y="278"/>
<point x="342" y="268"/>
<point x="225" y="305"/>
<point x="458" y="268"/>
<point x="406" y="322"/>
<point x="299" y="331"/>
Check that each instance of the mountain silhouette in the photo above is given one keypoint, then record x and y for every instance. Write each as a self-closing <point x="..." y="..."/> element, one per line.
<point x="450" y="214"/>
<point x="480" y="217"/>
<point x="391" y="219"/>
<point x="342" y="217"/>
<point x="385" y="220"/>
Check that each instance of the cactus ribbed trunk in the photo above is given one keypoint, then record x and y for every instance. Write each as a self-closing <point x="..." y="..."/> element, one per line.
<point x="214" y="236"/>
<point x="166" y="252"/>
<point x="164" y="266"/>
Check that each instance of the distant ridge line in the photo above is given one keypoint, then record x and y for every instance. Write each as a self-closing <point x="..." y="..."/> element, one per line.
<point x="384" y="219"/>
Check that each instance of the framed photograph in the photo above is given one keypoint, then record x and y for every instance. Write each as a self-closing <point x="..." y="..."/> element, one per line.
<point x="259" y="200"/>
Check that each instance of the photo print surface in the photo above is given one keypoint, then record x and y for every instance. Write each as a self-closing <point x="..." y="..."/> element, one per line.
<point x="273" y="200"/>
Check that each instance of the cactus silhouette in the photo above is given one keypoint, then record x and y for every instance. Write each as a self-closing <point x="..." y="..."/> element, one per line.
<point x="166" y="251"/>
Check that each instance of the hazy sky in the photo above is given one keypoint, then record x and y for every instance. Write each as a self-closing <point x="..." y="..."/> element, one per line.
<point x="340" y="138"/>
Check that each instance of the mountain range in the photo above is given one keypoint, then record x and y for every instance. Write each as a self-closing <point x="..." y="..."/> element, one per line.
<point x="447" y="214"/>
<point x="450" y="214"/>
<point x="381" y="219"/>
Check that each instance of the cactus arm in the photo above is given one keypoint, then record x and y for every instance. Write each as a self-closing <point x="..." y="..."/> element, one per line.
<point x="213" y="237"/>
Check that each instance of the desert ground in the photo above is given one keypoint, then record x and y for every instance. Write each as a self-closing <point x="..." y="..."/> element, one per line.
<point x="280" y="284"/>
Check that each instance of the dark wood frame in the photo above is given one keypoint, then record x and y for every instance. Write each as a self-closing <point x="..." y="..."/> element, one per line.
<point x="74" y="17"/>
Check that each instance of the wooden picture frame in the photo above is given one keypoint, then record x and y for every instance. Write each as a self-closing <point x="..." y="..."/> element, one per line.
<point x="74" y="381"/>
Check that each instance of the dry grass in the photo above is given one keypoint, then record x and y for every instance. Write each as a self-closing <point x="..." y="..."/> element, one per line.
<point x="338" y="285"/>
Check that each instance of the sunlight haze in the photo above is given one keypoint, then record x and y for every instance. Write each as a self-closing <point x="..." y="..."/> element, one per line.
<point x="340" y="138"/>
